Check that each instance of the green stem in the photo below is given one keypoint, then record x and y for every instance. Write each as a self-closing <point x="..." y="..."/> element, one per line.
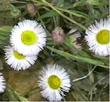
<point x="72" y="13"/>
<point x="78" y="79"/>
<point x="60" y="13"/>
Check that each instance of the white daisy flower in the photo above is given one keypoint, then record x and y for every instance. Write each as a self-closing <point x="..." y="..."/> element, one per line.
<point x="2" y="83"/>
<point x="18" y="61"/>
<point x="98" y="37"/>
<point x="28" y="37"/>
<point x="54" y="81"/>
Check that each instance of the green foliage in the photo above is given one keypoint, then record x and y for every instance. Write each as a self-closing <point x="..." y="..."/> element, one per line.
<point x="4" y="35"/>
<point x="68" y="14"/>
<point x="78" y="58"/>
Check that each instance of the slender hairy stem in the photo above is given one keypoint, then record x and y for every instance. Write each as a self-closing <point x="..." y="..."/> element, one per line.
<point x="78" y="79"/>
<point x="60" y="13"/>
<point x="72" y="13"/>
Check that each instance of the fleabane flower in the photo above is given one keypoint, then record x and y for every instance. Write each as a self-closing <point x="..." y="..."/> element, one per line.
<point x="28" y="37"/>
<point x="2" y="83"/>
<point x="98" y="37"/>
<point x="54" y="81"/>
<point x="17" y="60"/>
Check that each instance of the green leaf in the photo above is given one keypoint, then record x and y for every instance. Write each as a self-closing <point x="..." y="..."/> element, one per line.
<point x="48" y="14"/>
<point x="6" y="28"/>
<point x="60" y="3"/>
<point x="97" y="2"/>
<point x="74" y="13"/>
<point x="15" y="12"/>
<point x="78" y="58"/>
<point x="14" y="96"/>
<point x="4" y="35"/>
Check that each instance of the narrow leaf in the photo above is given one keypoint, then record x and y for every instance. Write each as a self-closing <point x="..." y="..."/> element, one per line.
<point x="78" y="58"/>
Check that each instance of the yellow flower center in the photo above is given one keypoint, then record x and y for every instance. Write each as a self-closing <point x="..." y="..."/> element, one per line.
<point x="19" y="56"/>
<point x="103" y="37"/>
<point x="54" y="82"/>
<point x="29" y="38"/>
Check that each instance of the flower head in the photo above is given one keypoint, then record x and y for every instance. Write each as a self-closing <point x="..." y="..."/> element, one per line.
<point x="98" y="37"/>
<point x="2" y="83"/>
<point x="28" y="37"/>
<point x="58" y="36"/>
<point x="54" y="81"/>
<point x="18" y="61"/>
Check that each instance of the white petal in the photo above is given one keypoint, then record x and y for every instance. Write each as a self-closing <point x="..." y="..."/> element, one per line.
<point x="92" y="31"/>
<point x="18" y="64"/>
<point x="2" y="83"/>
<point x="19" y="46"/>
<point x="47" y="91"/>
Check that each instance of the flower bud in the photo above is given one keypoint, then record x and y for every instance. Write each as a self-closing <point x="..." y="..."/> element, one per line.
<point x="31" y="9"/>
<point x="58" y="36"/>
<point x="74" y="38"/>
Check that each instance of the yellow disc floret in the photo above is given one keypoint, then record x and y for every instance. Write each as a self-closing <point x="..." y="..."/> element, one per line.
<point x="19" y="56"/>
<point x="103" y="37"/>
<point x="29" y="38"/>
<point x="54" y="82"/>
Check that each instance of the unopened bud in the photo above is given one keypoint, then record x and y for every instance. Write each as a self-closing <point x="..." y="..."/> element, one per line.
<point x="58" y="35"/>
<point x="74" y="38"/>
<point x="31" y="9"/>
